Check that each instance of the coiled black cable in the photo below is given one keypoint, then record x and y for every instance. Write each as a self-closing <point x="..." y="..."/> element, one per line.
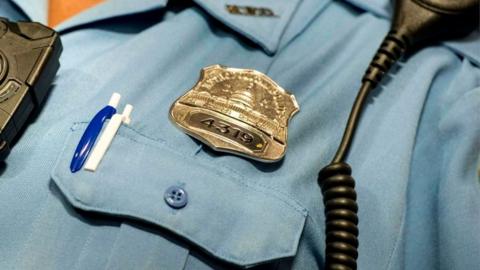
<point x="339" y="198"/>
<point x="335" y="180"/>
<point x="414" y="23"/>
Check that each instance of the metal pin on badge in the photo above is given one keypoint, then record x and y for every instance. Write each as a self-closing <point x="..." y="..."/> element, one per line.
<point x="240" y="111"/>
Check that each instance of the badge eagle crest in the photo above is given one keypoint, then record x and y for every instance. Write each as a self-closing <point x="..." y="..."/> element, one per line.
<point x="240" y="111"/>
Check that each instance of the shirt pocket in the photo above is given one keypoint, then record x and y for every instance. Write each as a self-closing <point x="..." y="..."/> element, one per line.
<point x="233" y="220"/>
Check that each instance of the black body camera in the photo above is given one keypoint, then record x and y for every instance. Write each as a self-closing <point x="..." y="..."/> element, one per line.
<point x="29" y="60"/>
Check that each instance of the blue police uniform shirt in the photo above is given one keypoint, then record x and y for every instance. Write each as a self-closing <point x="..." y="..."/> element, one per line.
<point x="415" y="157"/>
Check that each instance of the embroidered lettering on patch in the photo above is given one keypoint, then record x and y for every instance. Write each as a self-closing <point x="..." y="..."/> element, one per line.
<point x="250" y="11"/>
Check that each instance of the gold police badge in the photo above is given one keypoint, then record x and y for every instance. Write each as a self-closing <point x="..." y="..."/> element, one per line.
<point x="240" y="111"/>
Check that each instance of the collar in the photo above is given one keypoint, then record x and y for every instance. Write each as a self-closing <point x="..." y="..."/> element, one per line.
<point x="264" y="22"/>
<point x="37" y="10"/>
<point x="269" y="32"/>
<point x="468" y="47"/>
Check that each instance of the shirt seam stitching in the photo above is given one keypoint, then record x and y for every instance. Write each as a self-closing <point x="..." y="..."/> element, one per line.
<point x="292" y="202"/>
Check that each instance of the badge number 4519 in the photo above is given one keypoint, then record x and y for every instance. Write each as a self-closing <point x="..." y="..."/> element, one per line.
<point x="229" y="131"/>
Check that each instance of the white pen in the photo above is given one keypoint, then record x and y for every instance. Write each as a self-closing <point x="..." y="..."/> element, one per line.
<point x="107" y="137"/>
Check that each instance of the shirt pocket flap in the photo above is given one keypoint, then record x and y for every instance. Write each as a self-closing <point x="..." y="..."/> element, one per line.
<point x="233" y="219"/>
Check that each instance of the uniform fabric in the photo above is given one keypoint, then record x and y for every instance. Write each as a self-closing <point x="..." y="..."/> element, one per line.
<point x="415" y="156"/>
